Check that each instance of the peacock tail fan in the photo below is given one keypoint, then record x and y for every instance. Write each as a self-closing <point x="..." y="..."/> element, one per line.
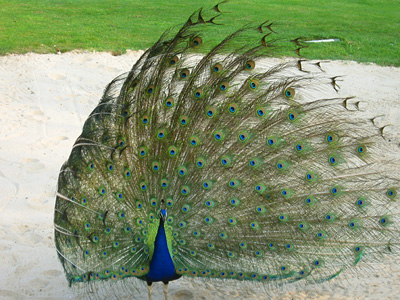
<point x="263" y="173"/>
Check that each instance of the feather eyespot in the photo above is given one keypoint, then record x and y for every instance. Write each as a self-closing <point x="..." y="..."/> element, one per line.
<point x="142" y="151"/>
<point x="289" y="93"/>
<point x="91" y="166"/>
<point x="253" y="84"/>
<point x="184" y="74"/>
<point x="261" y="112"/>
<point x="84" y="201"/>
<point x="361" y="202"/>
<point x="200" y="162"/>
<point x="391" y="193"/>
<point x="134" y="84"/>
<point x="210" y="203"/>
<point x="302" y="226"/>
<point x="173" y="60"/>
<point x="216" y="68"/>
<point x="172" y="151"/>
<point x="384" y="221"/>
<point x="210" y="112"/>
<point x="196" y="42"/>
<point x="336" y="190"/>
<point x="232" y="108"/>
<point x="110" y="167"/>
<point x="161" y="133"/>
<point x="125" y="113"/>
<point x="185" y="190"/>
<point x="198" y="93"/>
<point x="320" y="235"/>
<point x="233" y="183"/>
<point x="208" y="220"/>
<point x="260" y="188"/>
<point x="271" y="246"/>
<point x="150" y="89"/>
<point x="243" y="136"/>
<point x="331" y="138"/>
<point x="299" y="147"/>
<point x="289" y="247"/>
<point x="164" y="183"/>
<point x="155" y="166"/>
<point x="333" y="160"/>
<point x="170" y="202"/>
<point x="121" y="143"/>
<point x="254" y="225"/>
<point x="242" y="245"/>
<point x="169" y="102"/>
<point x="292" y="116"/>
<point x="317" y="263"/>
<point x="361" y="150"/>
<point x="145" y="120"/>
<point x="281" y="165"/>
<point x="223" y="86"/>
<point x="182" y="171"/>
<point x="207" y="184"/>
<point x="286" y="193"/>
<point x="185" y="208"/>
<point x="234" y="202"/>
<point x="358" y="249"/>
<point x="310" y="200"/>
<point x="232" y="221"/>
<point x="261" y="209"/>
<point x="249" y="65"/>
<point x="219" y="135"/>
<point x="127" y="173"/>
<point x="102" y="190"/>
<point x="271" y="141"/>
<point x="310" y="177"/>
<point x="283" y="218"/>
<point x="183" y="120"/>
<point x="353" y="224"/>
<point x="254" y="163"/>
<point x="194" y="141"/>
<point x="330" y="217"/>
<point x="226" y="161"/>
<point x="143" y="187"/>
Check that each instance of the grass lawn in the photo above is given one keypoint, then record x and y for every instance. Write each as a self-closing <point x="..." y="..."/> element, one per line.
<point x="369" y="30"/>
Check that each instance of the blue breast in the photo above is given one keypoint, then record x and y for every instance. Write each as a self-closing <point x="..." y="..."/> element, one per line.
<point x="161" y="266"/>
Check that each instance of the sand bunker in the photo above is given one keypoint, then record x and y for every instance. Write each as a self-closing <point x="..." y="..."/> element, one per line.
<point x="44" y="102"/>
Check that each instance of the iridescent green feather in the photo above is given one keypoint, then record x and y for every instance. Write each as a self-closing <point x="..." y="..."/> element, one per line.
<point x="265" y="175"/>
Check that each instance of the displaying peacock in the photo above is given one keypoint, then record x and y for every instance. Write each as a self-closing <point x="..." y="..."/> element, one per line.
<point x="211" y="166"/>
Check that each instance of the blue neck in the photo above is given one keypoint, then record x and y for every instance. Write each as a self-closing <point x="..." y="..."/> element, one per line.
<point x="161" y="266"/>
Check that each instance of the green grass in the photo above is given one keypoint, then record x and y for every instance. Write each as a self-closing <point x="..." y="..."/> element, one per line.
<point x="369" y="30"/>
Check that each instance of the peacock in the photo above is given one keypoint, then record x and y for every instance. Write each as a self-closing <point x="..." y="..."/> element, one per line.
<point x="212" y="166"/>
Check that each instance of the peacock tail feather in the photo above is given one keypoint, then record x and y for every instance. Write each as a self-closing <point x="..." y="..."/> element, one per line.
<point x="265" y="175"/>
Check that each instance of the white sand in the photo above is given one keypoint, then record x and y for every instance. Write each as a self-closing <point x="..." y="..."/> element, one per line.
<point x="45" y="100"/>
